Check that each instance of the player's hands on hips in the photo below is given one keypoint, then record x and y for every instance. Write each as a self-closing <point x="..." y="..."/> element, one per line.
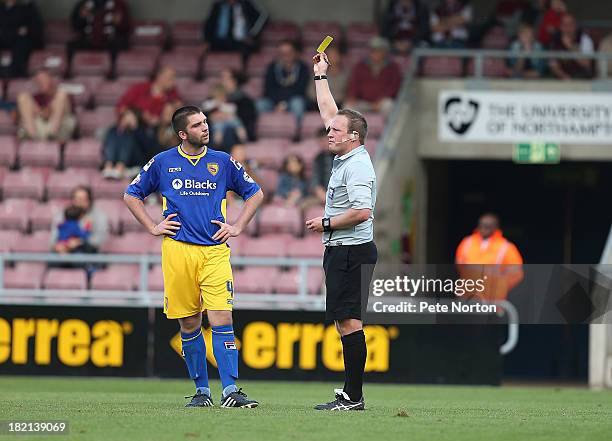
<point x="225" y="231"/>
<point x="315" y="224"/>
<point x="166" y="227"/>
<point x="321" y="63"/>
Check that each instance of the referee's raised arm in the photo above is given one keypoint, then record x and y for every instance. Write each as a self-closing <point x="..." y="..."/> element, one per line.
<point x="325" y="100"/>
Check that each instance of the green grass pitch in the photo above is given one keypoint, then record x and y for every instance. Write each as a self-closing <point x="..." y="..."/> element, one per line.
<point x="149" y="409"/>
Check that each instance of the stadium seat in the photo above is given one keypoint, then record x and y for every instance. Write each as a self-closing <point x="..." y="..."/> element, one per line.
<point x="39" y="153"/>
<point x="96" y="122"/>
<point x="54" y="60"/>
<point x="150" y="33"/>
<point x="188" y="33"/>
<point x="15" y="214"/>
<point x="254" y="87"/>
<point x="288" y="282"/>
<point x="312" y="212"/>
<point x="91" y="63"/>
<point x="235" y="244"/>
<point x="37" y="242"/>
<point x="23" y="184"/>
<point x="129" y="243"/>
<point x="313" y="31"/>
<point x="7" y="124"/>
<point x="192" y="92"/>
<point x="280" y="219"/>
<point x="215" y="62"/>
<point x="255" y="280"/>
<point x="7" y="239"/>
<point x="371" y="146"/>
<point x="129" y="222"/>
<point x="403" y="61"/>
<point x="58" y="33"/>
<point x="111" y="208"/>
<point x="17" y="86"/>
<point x="80" y="89"/>
<point x="61" y="183"/>
<point x="25" y="275"/>
<point x="258" y="64"/>
<point x="119" y="277"/>
<point x="491" y="67"/>
<point x="65" y="279"/>
<point x="107" y="188"/>
<point x="156" y="279"/>
<point x="233" y="211"/>
<point x="109" y="93"/>
<point x="136" y="63"/>
<point x="267" y="180"/>
<point x="85" y="152"/>
<point x="277" y="31"/>
<point x="307" y="149"/>
<point x="311" y="124"/>
<point x="309" y="246"/>
<point x="8" y="151"/>
<point x="376" y="124"/>
<point x="276" y="125"/>
<point x="273" y="245"/>
<point x="355" y="55"/>
<point x="360" y="34"/>
<point x="42" y="215"/>
<point x="155" y="246"/>
<point x="186" y="61"/>
<point x="438" y="67"/>
<point x="268" y="152"/>
<point x="496" y="38"/>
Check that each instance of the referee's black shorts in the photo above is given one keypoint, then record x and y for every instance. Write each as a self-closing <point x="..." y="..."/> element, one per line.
<point x="343" y="276"/>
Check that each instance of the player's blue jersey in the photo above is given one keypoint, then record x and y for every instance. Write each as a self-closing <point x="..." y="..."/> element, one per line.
<point x="193" y="187"/>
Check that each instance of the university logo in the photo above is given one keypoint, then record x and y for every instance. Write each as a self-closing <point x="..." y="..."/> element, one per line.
<point x="460" y="113"/>
<point x="177" y="184"/>
<point x="213" y="168"/>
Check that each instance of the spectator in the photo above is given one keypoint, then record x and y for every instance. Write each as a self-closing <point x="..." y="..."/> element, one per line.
<point x="449" y="24"/>
<point x="525" y="43"/>
<point x="234" y="26"/>
<point x="292" y="185"/>
<point x="232" y="81"/>
<point x="405" y="24"/>
<point x="92" y="226"/>
<point x="239" y="153"/>
<point x="285" y="84"/>
<point x="375" y="81"/>
<point x="337" y="77"/>
<point x="551" y="21"/>
<point x="100" y="25"/>
<point x="46" y="114"/>
<point x="571" y="40"/>
<point x="139" y="116"/>
<point x="533" y="13"/>
<point x="227" y="129"/>
<point x="20" y="32"/>
<point x="605" y="46"/>
<point x="321" y="170"/>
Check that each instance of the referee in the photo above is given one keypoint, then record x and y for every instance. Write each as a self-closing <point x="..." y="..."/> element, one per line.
<point x="348" y="234"/>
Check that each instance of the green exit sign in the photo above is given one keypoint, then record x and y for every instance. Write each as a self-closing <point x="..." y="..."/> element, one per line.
<point x="536" y="153"/>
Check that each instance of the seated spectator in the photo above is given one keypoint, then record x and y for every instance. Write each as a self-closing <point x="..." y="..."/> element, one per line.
<point x="100" y="25"/>
<point x="605" y="46"/>
<point x="285" y="84"/>
<point x="232" y="81"/>
<point x="46" y="114"/>
<point x="375" y="81"/>
<point x="321" y="171"/>
<point x="133" y="140"/>
<point x="292" y="185"/>
<point x="20" y="32"/>
<point x="83" y="233"/>
<point x="526" y="43"/>
<point x="406" y="24"/>
<point x="551" y="21"/>
<point x="239" y="153"/>
<point x="337" y="77"/>
<point x="570" y="39"/>
<point x="225" y="126"/>
<point x="449" y="24"/>
<point x="234" y="26"/>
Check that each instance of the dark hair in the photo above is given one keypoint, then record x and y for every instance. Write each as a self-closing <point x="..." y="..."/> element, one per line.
<point x="299" y="159"/>
<point x="179" y="118"/>
<point x="356" y="123"/>
<point x="291" y="43"/>
<point x="73" y="212"/>
<point x="84" y="188"/>
<point x="239" y="76"/>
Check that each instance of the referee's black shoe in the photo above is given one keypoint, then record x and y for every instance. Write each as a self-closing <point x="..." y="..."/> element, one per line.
<point x="238" y="399"/>
<point x="342" y="402"/>
<point x="199" y="400"/>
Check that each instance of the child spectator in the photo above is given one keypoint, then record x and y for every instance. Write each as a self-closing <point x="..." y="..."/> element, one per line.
<point x="292" y="185"/>
<point x="70" y="231"/>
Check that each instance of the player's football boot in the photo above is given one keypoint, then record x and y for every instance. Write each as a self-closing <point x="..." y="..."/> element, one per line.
<point x="238" y="399"/>
<point x="199" y="400"/>
<point x="342" y="402"/>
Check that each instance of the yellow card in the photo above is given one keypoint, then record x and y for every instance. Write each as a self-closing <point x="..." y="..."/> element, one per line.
<point x="324" y="44"/>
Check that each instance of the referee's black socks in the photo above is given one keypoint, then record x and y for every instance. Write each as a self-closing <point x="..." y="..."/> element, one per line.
<point x="355" y="353"/>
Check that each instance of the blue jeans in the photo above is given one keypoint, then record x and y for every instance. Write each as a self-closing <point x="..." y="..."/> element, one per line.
<point x="119" y="147"/>
<point x="295" y="105"/>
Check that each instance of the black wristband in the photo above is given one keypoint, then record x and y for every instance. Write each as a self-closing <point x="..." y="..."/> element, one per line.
<point x="320" y="77"/>
<point x="326" y="222"/>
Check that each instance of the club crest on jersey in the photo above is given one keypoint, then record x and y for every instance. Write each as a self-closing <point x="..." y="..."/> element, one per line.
<point x="213" y="168"/>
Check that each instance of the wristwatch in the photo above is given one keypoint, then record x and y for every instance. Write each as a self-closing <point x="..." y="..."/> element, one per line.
<point x="326" y="222"/>
<point x="320" y="77"/>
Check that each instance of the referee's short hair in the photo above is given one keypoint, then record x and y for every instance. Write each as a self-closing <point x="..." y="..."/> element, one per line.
<point x="356" y="123"/>
<point x="179" y="118"/>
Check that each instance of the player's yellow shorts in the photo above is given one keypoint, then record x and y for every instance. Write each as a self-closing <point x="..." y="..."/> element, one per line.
<point x="196" y="278"/>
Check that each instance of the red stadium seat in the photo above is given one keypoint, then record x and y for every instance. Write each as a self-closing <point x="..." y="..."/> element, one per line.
<point x="313" y="32"/>
<point x="376" y="124"/>
<point x="215" y="62"/>
<point x="491" y="67"/>
<point x="254" y="87"/>
<point x="80" y="89"/>
<point x="109" y="93"/>
<point x="307" y="149"/>
<point x="107" y="188"/>
<point x="42" y="215"/>
<point x="267" y="180"/>
<point x="156" y="279"/>
<point x="277" y="31"/>
<point x="65" y="279"/>
<point x="111" y="208"/>
<point x="25" y="275"/>
<point x="61" y="184"/>
<point x="311" y="124"/>
<point x="120" y="277"/>
<point x="7" y="240"/>
<point x="39" y="153"/>
<point x="255" y="280"/>
<point x="235" y="244"/>
<point x="136" y="63"/>
<point x="371" y="146"/>
<point x="309" y="246"/>
<point x="129" y="222"/>
<point x="129" y="243"/>
<point x="91" y="63"/>
<point x="273" y="245"/>
<point x="233" y="211"/>
<point x="58" y="32"/>
<point x="7" y="124"/>
<point x="312" y="212"/>
<point x="280" y="219"/>
<point x="438" y="67"/>
<point x="150" y="33"/>
<point x="186" y="61"/>
<point x="268" y="152"/>
<point x="8" y="151"/>
<point x="37" y="242"/>
<point x="15" y="87"/>
<point x="188" y="33"/>
<point x="23" y="184"/>
<point x="276" y="125"/>
<point x="15" y="214"/>
<point x="258" y="64"/>
<point x="85" y="152"/>
<point x="288" y="282"/>
<point x="496" y="38"/>
<point x="54" y="60"/>
<point x="360" y="34"/>
<point x="155" y="246"/>
<point x="192" y="92"/>
<point x="95" y="122"/>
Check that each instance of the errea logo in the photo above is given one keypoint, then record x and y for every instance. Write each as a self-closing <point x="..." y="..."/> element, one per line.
<point x="177" y="184"/>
